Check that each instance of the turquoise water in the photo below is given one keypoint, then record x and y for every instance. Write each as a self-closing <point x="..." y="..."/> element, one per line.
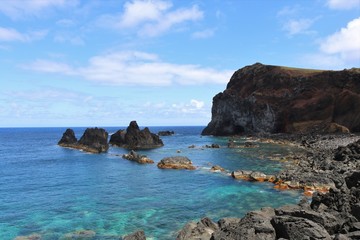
<point x="52" y="191"/>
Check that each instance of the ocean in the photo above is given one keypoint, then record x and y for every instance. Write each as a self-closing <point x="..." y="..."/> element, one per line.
<point x="50" y="191"/>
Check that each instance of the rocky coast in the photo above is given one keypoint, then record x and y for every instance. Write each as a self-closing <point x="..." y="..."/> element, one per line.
<point x="329" y="161"/>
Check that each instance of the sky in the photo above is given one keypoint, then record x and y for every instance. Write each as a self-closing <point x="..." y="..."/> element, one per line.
<point x="68" y="63"/>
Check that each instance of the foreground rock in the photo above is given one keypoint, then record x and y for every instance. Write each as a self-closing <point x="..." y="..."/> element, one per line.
<point x="177" y="162"/>
<point x="93" y="140"/>
<point x="134" y="156"/>
<point x="273" y="99"/>
<point x="134" y="138"/>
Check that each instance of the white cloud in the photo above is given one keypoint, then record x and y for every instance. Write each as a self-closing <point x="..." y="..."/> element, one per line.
<point x="196" y="103"/>
<point x="137" y="12"/>
<point x="343" y="4"/>
<point x="150" y="18"/>
<point x="16" y="9"/>
<point x="299" y="26"/>
<point x="10" y="35"/>
<point x="207" y="33"/>
<point x="345" y="42"/>
<point x="339" y="50"/>
<point x="135" y="68"/>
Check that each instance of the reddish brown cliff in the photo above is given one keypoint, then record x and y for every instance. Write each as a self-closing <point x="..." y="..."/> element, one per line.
<point x="274" y="99"/>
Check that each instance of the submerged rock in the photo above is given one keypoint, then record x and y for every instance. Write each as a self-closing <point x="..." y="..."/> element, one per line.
<point x="138" y="235"/>
<point x="177" y="162"/>
<point x="134" y="138"/>
<point x="93" y="140"/>
<point x="80" y="234"/>
<point x="134" y="156"/>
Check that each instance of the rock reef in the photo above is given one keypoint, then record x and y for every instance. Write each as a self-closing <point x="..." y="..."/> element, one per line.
<point x="94" y="140"/>
<point x="273" y="99"/>
<point x="177" y="162"/>
<point x="133" y="138"/>
<point x="134" y="156"/>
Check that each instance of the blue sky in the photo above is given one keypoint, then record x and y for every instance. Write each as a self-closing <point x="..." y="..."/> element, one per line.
<point x="160" y="62"/>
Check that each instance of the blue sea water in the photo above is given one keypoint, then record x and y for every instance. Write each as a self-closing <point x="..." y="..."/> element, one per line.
<point x="53" y="191"/>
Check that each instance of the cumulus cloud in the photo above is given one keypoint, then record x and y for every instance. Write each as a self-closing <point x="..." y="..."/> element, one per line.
<point x="10" y="35"/>
<point x="345" y="42"/>
<point x="16" y="9"/>
<point x="150" y="18"/>
<point x="343" y="4"/>
<point x="135" y="68"/>
<point x="338" y="50"/>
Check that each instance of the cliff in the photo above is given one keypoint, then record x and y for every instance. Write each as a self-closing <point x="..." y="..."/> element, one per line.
<point x="273" y="99"/>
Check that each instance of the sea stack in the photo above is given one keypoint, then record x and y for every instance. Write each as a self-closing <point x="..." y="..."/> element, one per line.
<point x="274" y="99"/>
<point x="133" y="138"/>
<point x="93" y="140"/>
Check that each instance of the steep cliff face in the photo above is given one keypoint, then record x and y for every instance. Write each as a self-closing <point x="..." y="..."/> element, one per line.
<point x="273" y="99"/>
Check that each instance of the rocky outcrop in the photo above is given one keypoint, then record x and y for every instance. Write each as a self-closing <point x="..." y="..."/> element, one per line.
<point x="94" y="140"/>
<point x="134" y="138"/>
<point x="177" y="162"/>
<point x="68" y="139"/>
<point x="272" y="99"/>
<point x="134" y="156"/>
<point x="166" y="133"/>
<point x="253" y="176"/>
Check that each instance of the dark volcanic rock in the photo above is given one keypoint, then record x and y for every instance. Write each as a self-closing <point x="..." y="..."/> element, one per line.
<point x="272" y="99"/>
<point x="166" y="133"/>
<point x="68" y="139"/>
<point x="177" y="162"/>
<point x="134" y="138"/>
<point x="197" y="231"/>
<point x="93" y="140"/>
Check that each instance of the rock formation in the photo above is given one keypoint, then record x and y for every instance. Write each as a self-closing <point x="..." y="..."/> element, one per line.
<point x="68" y="139"/>
<point x="166" y="133"/>
<point x="134" y="138"/>
<point x="177" y="162"/>
<point x="93" y="140"/>
<point x="134" y="156"/>
<point x="273" y="99"/>
<point x="138" y="235"/>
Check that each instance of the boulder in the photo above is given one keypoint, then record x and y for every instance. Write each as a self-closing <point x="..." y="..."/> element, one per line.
<point x="275" y="99"/>
<point x="217" y="168"/>
<point x="134" y="156"/>
<point x="290" y="227"/>
<point x="177" y="162"/>
<point x="134" y="138"/>
<point x="198" y="231"/>
<point x="138" y="235"/>
<point x="255" y="225"/>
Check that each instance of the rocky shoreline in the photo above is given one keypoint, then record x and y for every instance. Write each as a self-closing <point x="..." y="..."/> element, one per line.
<point x="331" y="160"/>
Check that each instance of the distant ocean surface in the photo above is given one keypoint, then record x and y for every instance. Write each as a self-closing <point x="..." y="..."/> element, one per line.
<point x="52" y="191"/>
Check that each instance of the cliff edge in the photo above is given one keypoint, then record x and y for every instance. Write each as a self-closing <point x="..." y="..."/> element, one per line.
<point x="274" y="99"/>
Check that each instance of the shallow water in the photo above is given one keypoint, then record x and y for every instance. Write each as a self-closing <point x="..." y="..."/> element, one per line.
<point x="51" y="191"/>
